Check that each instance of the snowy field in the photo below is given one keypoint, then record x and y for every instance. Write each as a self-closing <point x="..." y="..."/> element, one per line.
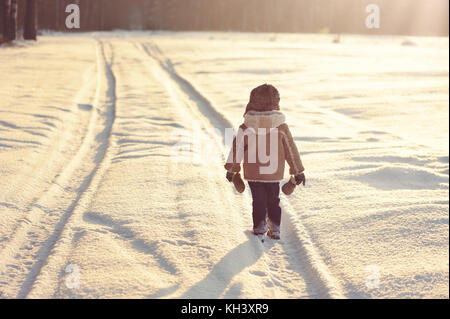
<point x="112" y="181"/>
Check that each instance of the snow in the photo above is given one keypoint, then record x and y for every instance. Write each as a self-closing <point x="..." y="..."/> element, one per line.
<point x="112" y="147"/>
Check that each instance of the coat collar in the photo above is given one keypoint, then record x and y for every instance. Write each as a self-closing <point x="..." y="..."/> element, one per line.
<point x="268" y="119"/>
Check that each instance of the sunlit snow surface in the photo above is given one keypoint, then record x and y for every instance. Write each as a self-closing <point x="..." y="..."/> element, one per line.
<point x="104" y="191"/>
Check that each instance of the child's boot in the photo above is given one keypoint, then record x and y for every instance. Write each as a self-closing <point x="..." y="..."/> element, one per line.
<point x="274" y="230"/>
<point x="273" y="234"/>
<point x="260" y="229"/>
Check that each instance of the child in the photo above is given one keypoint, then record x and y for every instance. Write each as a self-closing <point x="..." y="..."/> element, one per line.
<point x="264" y="129"/>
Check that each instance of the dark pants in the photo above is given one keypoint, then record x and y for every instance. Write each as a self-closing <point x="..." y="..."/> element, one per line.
<point x="266" y="201"/>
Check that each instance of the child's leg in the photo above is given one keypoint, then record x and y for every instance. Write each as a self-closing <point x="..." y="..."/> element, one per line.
<point x="273" y="205"/>
<point x="259" y="207"/>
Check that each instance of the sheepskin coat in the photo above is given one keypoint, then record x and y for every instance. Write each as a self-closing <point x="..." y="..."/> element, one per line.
<point x="263" y="144"/>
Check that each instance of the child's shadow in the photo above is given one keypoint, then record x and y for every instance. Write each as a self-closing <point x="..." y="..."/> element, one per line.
<point x="215" y="283"/>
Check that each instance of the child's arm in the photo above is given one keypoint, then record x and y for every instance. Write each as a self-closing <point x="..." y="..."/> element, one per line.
<point x="291" y="152"/>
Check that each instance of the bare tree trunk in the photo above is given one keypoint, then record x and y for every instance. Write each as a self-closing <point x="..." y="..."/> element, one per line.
<point x="103" y="14"/>
<point x="12" y="20"/>
<point x="4" y="20"/>
<point x="57" y="22"/>
<point x="30" y="20"/>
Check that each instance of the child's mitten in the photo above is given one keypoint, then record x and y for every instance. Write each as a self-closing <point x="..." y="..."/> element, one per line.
<point x="238" y="183"/>
<point x="300" y="179"/>
<point x="289" y="187"/>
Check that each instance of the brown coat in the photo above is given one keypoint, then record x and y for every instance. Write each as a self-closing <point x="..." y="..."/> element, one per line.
<point x="263" y="143"/>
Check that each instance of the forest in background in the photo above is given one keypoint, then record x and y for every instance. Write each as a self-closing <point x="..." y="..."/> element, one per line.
<point x="408" y="17"/>
<point x="10" y="11"/>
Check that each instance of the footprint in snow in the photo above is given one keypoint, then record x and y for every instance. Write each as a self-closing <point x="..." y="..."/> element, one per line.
<point x="258" y="273"/>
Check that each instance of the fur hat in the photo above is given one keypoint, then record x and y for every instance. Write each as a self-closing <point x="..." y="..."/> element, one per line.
<point x="263" y="98"/>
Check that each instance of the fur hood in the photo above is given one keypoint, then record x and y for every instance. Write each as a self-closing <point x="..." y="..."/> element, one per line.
<point x="268" y="119"/>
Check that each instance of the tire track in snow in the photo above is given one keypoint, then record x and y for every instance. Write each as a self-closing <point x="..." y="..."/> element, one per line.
<point x="217" y="119"/>
<point x="99" y="140"/>
<point x="48" y="159"/>
<point x="296" y="235"/>
<point x="20" y="249"/>
<point x="92" y="151"/>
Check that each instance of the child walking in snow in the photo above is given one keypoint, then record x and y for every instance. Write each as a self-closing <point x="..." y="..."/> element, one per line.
<point x="263" y="143"/>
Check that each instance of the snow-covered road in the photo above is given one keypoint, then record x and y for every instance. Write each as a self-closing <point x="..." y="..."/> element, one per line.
<point x="112" y="180"/>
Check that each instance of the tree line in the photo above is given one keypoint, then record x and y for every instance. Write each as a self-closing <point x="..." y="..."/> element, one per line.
<point x="9" y="22"/>
<point x="424" y="17"/>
